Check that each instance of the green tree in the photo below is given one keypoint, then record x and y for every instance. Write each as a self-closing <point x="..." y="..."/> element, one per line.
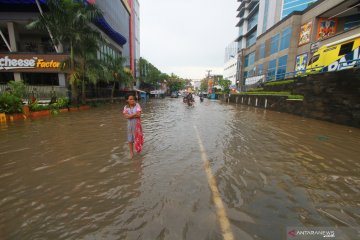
<point x="115" y="72"/>
<point x="175" y="83"/>
<point x="68" y="21"/>
<point x="150" y="76"/>
<point x="225" y="84"/>
<point x="204" y="85"/>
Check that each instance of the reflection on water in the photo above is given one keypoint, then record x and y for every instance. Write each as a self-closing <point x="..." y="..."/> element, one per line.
<point x="70" y="176"/>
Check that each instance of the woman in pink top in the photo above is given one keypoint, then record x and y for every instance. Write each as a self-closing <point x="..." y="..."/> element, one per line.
<point x="132" y="111"/>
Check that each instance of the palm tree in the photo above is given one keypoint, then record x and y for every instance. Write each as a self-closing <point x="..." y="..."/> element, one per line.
<point x="68" y="21"/>
<point x="115" y="71"/>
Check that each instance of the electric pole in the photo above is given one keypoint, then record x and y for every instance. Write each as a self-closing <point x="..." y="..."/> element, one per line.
<point x="208" y="71"/>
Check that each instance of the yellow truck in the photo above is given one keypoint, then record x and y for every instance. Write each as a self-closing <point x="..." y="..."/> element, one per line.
<point x="335" y="56"/>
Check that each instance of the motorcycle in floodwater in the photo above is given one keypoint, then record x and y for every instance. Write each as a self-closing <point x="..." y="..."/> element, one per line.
<point x="189" y="102"/>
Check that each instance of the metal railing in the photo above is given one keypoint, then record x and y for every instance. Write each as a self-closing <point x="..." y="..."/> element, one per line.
<point x="39" y="92"/>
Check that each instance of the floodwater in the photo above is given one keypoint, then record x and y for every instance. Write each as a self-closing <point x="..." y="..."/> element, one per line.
<point x="212" y="171"/>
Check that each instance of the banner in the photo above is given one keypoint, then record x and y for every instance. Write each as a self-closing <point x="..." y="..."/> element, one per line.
<point x="301" y="62"/>
<point x="326" y="28"/>
<point x="305" y="33"/>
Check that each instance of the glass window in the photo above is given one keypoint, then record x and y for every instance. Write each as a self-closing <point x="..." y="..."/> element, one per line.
<point x="241" y="30"/>
<point x="251" y="39"/>
<point x="245" y="76"/>
<point x="260" y="69"/>
<point x="285" y="38"/>
<point x="290" y="6"/>
<point x="252" y="21"/>
<point x="274" y="44"/>
<point x="271" y="70"/>
<point x="265" y="15"/>
<point x="252" y="72"/>
<point x="262" y="51"/>
<point x="280" y="74"/>
<point x="351" y="21"/>
<point x="249" y="59"/>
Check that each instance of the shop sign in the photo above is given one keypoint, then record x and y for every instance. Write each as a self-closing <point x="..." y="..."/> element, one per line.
<point x="30" y="63"/>
<point x="314" y="47"/>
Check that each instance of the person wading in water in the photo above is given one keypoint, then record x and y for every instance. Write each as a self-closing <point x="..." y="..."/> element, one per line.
<point x="132" y="112"/>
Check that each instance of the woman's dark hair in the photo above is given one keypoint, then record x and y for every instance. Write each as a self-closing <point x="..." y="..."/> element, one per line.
<point x="129" y="95"/>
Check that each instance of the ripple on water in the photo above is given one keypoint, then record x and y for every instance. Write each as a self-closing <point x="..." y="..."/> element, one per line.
<point x="70" y="176"/>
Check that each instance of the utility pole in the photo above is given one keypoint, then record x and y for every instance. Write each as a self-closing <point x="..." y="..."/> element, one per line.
<point x="208" y="71"/>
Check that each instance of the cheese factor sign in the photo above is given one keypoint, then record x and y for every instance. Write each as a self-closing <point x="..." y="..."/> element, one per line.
<point x="30" y="63"/>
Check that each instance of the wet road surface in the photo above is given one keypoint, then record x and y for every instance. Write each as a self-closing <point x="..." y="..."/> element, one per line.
<point x="213" y="171"/>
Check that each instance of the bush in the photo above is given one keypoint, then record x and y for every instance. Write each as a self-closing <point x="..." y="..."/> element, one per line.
<point x="60" y="103"/>
<point x="274" y="83"/>
<point x="35" y="107"/>
<point x="17" y="88"/>
<point x="9" y="103"/>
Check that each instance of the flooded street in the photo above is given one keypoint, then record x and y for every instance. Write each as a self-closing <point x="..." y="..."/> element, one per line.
<point x="206" y="172"/>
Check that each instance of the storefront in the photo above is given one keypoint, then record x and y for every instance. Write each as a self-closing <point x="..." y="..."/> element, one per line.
<point x="33" y="69"/>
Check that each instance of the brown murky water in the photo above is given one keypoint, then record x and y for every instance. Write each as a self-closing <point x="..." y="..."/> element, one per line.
<point x="70" y="177"/>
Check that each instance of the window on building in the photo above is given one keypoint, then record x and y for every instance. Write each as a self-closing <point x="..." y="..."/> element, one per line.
<point x="346" y="48"/>
<point x="252" y="72"/>
<point x="251" y="39"/>
<point x="249" y="59"/>
<point x="271" y="70"/>
<point x="274" y="44"/>
<point x="265" y="16"/>
<point x="281" y="70"/>
<point x="252" y="21"/>
<point x="290" y="6"/>
<point x="352" y="21"/>
<point x="241" y="29"/>
<point x="285" y="38"/>
<point x="260" y="68"/>
<point x="245" y="75"/>
<point x="262" y="51"/>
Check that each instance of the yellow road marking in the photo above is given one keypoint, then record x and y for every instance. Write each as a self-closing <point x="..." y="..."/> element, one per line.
<point x="220" y="209"/>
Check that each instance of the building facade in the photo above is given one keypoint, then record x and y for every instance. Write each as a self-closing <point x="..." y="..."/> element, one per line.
<point x="119" y="27"/>
<point x="288" y="45"/>
<point x="230" y="66"/>
<point x="275" y="35"/>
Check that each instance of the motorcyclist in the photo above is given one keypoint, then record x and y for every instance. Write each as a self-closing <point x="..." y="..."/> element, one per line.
<point x="190" y="99"/>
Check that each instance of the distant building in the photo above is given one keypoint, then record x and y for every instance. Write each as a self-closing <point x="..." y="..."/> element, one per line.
<point x="230" y="65"/>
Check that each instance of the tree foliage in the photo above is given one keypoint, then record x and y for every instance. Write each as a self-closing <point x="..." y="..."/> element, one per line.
<point x="225" y="84"/>
<point x="175" y="83"/>
<point x="69" y="23"/>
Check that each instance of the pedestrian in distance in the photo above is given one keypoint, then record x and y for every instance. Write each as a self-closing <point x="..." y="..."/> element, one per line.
<point x="132" y="112"/>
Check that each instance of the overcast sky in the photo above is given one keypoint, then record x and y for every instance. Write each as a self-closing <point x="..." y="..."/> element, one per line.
<point x="187" y="37"/>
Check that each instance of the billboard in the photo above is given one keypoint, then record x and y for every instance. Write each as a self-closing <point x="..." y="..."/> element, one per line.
<point x="326" y="28"/>
<point x="305" y="33"/>
<point x="301" y="62"/>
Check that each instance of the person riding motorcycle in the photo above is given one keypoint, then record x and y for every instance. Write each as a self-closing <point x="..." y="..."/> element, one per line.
<point x="190" y="99"/>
